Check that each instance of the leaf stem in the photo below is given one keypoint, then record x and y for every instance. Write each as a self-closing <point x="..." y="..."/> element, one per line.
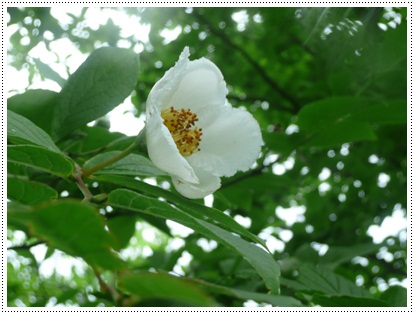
<point x="81" y="185"/>
<point x="137" y="145"/>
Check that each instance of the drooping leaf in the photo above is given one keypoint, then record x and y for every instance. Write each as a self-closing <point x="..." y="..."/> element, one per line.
<point x="40" y="158"/>
<point x="101" y="83"/>
<point x="47" y="72"/>
<point x="36" y="105"/>
<point x="73" y="227"/>
<point x="131" y="165"/>
<point x="29" y="192"/>
<point x="22" y="130"/>
<point x="145" y="285"/>
<point x="197" y="210"/>
<point x="262" y="261"/>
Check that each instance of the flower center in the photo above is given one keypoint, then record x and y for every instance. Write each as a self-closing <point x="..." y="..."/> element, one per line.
<point x="181" y="124"/>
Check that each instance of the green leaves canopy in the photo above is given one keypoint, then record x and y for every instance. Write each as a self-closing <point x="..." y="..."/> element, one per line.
<point x="329" y="94"/>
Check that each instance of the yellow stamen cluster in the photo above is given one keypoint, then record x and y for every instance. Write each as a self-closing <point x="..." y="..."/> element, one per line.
<point x="181" y="124"/>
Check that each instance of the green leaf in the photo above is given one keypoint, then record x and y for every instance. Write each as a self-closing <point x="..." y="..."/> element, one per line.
<point x="36" y="105"/>
<point x="393" y="112"/>
<point x="22" y="130"/>
<point x="122" y="229"/>
<point x="144" y="285"/>
<point x="73" y="227"/>
<point x="195" y="209"/>
<point x="131" y="165"/>
<point x="47" y="72"/>
<point x="101" y="83"/>
<point x="275" y="300"/>
<point x="338" y="255"/>
<point x="329" y="283"/>
<point x="40" y="158"/>
<point x="395" y="296"/>
<point x="262" y="261"/>
<point x="97" y="137"/>
<point x="334" y="121"/>
<point x="347" y="301"/>
<point x="29" y="192"/>
<point x="340" y="133"/>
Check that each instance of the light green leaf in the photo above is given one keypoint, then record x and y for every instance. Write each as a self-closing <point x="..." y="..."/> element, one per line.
<point x="144" y="285"/>
<point x="101" y="83"/>
<point x="262" y="261"/>
<point x="73" y="227"/>
<point x="40" y="158"/>
<point x="29" y="192"/>
<point x="47" y="72"/>
<point x="22" y="130"/>
<point x="197" y="210"/>
<point x="131" y="165"/>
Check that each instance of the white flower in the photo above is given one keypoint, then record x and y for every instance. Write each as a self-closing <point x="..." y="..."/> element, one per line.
<point x="193" y="133"/>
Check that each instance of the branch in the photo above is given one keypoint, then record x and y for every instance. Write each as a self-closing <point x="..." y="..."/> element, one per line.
<point x="273" y="85"/>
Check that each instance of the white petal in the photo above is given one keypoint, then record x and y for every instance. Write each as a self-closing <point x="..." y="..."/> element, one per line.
<point x="231" y="141"/>
<point x="208" y="184"/>
<point x="201" y="86"/>
<point x="163" y="152"/>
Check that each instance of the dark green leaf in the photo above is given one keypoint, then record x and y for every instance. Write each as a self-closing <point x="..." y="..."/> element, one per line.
<point x="262" y="261"/>
<point x="143" y="285"/>
<point x="341" y="132"/>
<point x="36" y="105"/>
<point x="334" y="121"/>
<point x="395" y="296"/>
<point x="122" y="229"/>
<point x="329" y="283"/>
<point x="40" y="158"/>
<point x="73" y="227"/>
<point x="393" y="112"/>
<point x="101" y="83"/>
<point x="338" y="255"/>
<point x="29" y="192"/>
<point x="347" y="301"/>
<point x="22" y="130"/>
<point x="275" y="300"/>
<point x="131" y="165"/>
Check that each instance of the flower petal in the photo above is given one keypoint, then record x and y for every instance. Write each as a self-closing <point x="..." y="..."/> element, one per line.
<point x="162" y="92"/>
<point x="208" y="184"/>
<point x="231" y="141"/>
<point x="163" y="152"/>
<point x="201" y="86"/>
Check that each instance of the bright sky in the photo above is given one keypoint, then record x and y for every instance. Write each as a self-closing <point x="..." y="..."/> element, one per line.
<point x="63" y="53"/>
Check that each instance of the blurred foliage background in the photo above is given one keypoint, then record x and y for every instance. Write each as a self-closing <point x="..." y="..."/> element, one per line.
<point x="328" y="88"/>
